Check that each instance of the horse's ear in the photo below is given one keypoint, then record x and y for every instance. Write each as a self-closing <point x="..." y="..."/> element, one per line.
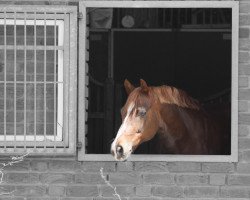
<point x="144" y="85"/>
<point x="128" y="86"/>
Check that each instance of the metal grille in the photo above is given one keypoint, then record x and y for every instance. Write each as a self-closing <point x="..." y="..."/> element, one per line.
<point x="35" y="74"/>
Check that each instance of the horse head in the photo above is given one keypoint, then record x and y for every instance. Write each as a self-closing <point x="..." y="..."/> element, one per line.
<point x="140" y="120"/>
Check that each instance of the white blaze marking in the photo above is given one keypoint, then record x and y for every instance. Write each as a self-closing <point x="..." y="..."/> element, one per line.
<point x="123" y="126"/>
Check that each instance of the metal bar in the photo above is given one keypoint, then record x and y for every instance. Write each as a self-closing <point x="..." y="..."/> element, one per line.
<point x="204" y="16"/>
<point x="81" y="83"/>
<point x="211" y="17"/>
<point x="22" y="47"/>
<point x="25" y="72"/>
<point x="164" y="18"/>
<point x="72" y="84"/>
<point x="30" y="142"/>
<point x="40" y="8"/>
<point x="35" y="80"/>
<point x="47" y="82"/>
<point x="45" y="73"/>
<point x="5" y="65"/>
<point x="32" y="16"/>
<point x="111" y="54"/>
<point x="39" y="152"/>
<point x="55" y="98"/>
<point x="15" y="81"/>
<point x="64" y="73"/>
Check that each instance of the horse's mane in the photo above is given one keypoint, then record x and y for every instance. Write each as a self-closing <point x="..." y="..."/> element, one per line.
<point x="172" y="95"/>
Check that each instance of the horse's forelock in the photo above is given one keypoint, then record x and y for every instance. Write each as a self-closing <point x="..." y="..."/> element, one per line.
<point x="140" y="98"/>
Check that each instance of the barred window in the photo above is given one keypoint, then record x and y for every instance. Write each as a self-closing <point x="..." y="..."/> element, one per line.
<point x="37" y="79"/>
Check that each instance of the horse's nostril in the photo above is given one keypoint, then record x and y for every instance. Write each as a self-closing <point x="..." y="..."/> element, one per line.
<point x="119" y="150"/>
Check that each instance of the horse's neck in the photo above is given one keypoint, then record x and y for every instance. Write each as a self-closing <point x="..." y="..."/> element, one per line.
<point x="171" y="123"/>
<point x="179" y="127"/>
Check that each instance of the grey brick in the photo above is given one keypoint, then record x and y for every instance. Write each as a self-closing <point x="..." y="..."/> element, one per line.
<point x="158" y="179"/>
<point x="233" y="198"/>
<point x="82" y="191"/>
<point x="31" y="2"/>
<point x="96" y="166"/>
<point x="42" y="198"/>
<point x="244" y="94"/>
<point x="244" y="156"/>
<point x="151" y="166"/>
<point x="149" y="198"/>
<point x="217" y="167"/>
<point x="244" y="119"/>
<point x="6" y="188"/>
<point x="62" y="165"/>
<point x="244" y="44"/>
<point x="40" y="166"/>
<point x="103" y="198"/>
<point x="30" y="190"/>
<point x="79" y="198"/>
<point x="243" y="106"/>
<point x="13" y="198"/>
<point x="244" y="7"/>
<point x="123" y="191"/>
<point x="243" y="130"/>
<point x="207" y="191"/>
<point x="235" y="192"/>
<point x="243" y="168"/>
<point x="243" y="82"/>
<point x="244" y="57"/>
<point x="184" y="167"/>
<point x="244" y="143"/>
<point x="89" y="178"/>
<point x="238" y="180"/>
<point x="172" y="191"/>
<point x="244" y="69"/>
<point x="143" y="190"/>
<point x="244" y="20"/>
<point x="55" y="190"/>
<point x="22" y="177"/>
<point x="124" y="178"/>
<point x="21" y="166"/>
<point x="217" y="179"/>
<point x="125" y="166"/>
<point x="244" y="33"/>
<point x="53" y="178"/>
<point x="192" y="179"/>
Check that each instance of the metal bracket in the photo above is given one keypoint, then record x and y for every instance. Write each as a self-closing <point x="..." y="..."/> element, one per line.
<point x="80" y="15"/>
<point x="79" y="145"/>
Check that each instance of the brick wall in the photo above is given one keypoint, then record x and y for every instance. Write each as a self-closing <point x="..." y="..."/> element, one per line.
<point x="67" y="179"/>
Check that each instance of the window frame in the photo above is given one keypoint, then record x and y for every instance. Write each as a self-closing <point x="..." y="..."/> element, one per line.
<point x="83" y="78"/>
<point x="64" y="143"/>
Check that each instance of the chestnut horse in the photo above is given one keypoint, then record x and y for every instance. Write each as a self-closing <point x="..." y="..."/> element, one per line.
<point x="183" y="126"/>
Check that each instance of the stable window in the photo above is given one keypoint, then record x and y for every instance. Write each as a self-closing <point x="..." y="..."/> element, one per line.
<point x="38" y="79"/>
<point x="189" y="45"/>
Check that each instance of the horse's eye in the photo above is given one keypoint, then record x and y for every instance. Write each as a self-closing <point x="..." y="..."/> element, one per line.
<point x="141" y="112"/>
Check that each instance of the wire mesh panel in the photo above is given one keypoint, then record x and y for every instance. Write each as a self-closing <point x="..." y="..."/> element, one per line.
<point x="36" y="69"/>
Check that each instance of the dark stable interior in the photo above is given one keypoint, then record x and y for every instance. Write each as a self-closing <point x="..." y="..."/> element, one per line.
<point x="195" y="60"/>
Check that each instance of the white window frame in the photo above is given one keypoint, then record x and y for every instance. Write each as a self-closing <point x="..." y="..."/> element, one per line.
<point x="83" y="79"/>
<point x="60" y="36"/>
<point x="63" y="143"/>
